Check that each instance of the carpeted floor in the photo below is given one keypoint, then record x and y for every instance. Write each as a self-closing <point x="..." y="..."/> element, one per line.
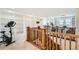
<point x="19" y="45"/>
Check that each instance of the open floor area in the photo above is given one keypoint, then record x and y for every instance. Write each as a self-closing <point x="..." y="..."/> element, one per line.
<point x="39" y="28"/>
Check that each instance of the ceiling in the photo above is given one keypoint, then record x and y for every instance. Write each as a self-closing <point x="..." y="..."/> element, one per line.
<point x="44" y="12"/>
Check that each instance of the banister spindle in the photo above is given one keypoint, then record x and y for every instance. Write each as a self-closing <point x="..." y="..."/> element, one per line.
<point x="49" y="43"/>
<point x="47" y="39"/>
<point x="56" y="40"/>
<point x="70" y="37"/>
<point x="53" y="41"/>
<point x="64" y="41"/>
<point x="60" y="39"/>
<point x="76" y="42"/>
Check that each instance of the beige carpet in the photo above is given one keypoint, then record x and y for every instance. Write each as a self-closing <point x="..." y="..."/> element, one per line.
<point x="19" y="45"/>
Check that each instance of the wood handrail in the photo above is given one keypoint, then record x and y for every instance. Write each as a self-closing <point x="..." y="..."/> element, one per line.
<point x="42" y="39"/>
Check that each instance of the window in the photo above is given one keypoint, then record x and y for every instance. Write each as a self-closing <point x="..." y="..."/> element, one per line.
<point x="68" y="22"/>
<point x="60" y="21"/>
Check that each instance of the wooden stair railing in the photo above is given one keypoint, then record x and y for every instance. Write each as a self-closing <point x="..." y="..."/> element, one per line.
<point x="76" y="41"/>
<point x="45" y="41"/>
<point x="37" y="36"/>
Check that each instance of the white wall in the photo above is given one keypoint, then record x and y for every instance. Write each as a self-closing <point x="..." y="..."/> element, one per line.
<point x="9" y="15"/>
<point x="77" y="20"/>
<point x="30" y="21"/>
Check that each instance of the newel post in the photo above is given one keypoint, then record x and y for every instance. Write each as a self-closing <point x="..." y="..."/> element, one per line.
<point x="28" y="34"/>
<point x="44" y="39"/>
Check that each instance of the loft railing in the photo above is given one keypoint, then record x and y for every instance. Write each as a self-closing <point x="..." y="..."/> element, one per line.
<point x="41" y="38"/>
